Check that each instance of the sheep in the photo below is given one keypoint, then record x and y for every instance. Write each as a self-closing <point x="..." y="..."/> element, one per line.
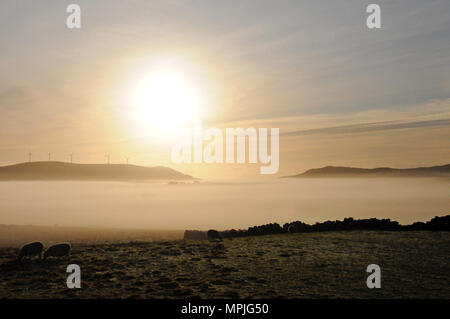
<point x="58" y="250"/>
<point x="213" y="235"/>
<point x="31" y="249"/>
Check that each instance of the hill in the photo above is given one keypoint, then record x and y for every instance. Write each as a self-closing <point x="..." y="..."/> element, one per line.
<point x="45" y="171"/>
<point x="341" y="171"/>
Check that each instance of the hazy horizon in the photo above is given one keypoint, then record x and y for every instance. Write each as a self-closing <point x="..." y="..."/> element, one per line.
<point x="129" y="176"/>
<point x="220" y="204"/>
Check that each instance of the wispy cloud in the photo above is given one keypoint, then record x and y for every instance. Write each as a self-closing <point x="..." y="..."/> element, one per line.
<point x="370" y="127"/>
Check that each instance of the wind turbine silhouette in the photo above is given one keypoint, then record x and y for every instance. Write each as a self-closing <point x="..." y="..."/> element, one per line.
<point x="29" y="157"/>
<point x="108" y="157"/>
<point x="71" y="158"/>
<point x="49" y="156"/>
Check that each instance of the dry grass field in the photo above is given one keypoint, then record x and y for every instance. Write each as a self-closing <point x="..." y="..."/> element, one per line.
<point x="313" y="265"/>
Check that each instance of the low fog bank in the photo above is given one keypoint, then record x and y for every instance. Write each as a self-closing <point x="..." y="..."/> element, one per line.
<point x="17" y="235"/>
<point x="219" y="205"/>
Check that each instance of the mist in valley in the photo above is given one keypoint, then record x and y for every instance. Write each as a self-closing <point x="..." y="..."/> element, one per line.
<point x="220" y="205"/>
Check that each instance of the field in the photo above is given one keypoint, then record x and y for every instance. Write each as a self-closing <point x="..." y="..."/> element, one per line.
<point x="308" y="265"/>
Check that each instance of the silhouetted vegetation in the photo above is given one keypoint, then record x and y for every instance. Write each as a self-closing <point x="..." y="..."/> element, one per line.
<point x="435" y="224"/>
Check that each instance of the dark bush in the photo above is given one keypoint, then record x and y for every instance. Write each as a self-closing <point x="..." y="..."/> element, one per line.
<point x="436" y="224"/>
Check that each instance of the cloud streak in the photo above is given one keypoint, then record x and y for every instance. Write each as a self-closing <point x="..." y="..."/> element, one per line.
<point x="370" y="127"/>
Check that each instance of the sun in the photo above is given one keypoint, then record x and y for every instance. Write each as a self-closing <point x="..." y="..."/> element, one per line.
<point x="166" y="101"/>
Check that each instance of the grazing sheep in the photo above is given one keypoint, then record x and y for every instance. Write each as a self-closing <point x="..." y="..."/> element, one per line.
<point x="31" y="249"/>
<point x="213" y="235"/>
<point x="58" y="250"/>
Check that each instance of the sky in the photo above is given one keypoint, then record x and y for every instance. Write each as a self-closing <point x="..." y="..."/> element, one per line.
<point x="340" y="93"/>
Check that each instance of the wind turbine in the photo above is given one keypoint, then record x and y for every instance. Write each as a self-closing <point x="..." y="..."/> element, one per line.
<point x="71" y="158"/>
<point x="29" y="157"/>
<point x="49" y="156"/>
<point x="108" y="157"/>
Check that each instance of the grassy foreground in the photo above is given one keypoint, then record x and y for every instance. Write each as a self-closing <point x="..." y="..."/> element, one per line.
<point x="307" y="265"/>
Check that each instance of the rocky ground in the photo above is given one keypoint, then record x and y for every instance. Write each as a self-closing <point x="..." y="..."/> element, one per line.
<point x="314" y="265"/>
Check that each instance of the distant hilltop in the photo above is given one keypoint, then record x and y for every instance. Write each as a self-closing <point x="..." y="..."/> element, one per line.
<point x="340" y="171"/>
<point x="50" y="171"/>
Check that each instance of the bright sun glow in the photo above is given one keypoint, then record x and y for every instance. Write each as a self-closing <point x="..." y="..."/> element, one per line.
<point x="165" y="101"/>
